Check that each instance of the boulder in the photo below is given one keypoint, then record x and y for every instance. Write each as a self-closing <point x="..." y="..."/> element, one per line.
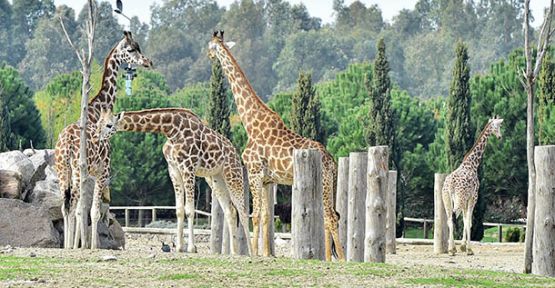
<point x="46" y="195"/>
<point x="111" y="235"/>
<point x="26" y="225"/>
<point x="11" y="184"/>
<point x="42" y="156"/>
<point x="17" y="161"/>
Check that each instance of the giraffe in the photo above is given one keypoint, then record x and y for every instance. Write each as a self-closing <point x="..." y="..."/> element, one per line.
<point x="460" y="189"/>
<point x="98" y="152"/>
<point x="268" y="155"/>
<point x="192" y="149"/>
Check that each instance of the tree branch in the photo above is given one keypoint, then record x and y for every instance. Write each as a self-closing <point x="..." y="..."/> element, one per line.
<point x="544" y="39"/>
<point x="69" y="40"/>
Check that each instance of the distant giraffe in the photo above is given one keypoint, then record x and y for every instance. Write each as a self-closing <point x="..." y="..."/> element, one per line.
<point x="460" y="189"/>
<point x="192" y="149"/>
<point x="269" y="151"/>
<point x="98" y="152"/>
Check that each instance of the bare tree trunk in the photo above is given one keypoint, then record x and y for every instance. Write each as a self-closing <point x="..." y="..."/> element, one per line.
<point x="356" y="212"/>
<point x="530" y="77"/>
<point x="440" y="218"/>
<point x="341" y="201"/>
<point x="391" y="218"/>
<point x="376" y="211"/>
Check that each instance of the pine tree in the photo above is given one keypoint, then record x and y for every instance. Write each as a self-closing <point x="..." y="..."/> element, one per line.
<point x="381" y="127"/>
<point x="546" y="101"/>
<point x="305" y="109"/>
<point x="458" y="131"/>
<point x="5" y="133"/>
<point x="218" y="111"/>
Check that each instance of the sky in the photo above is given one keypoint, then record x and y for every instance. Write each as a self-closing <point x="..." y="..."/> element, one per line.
<point x="317" y="8"/>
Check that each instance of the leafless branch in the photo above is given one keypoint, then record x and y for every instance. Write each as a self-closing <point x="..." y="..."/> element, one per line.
<point x="544" y="38"/>
<point x="69" y="40"/>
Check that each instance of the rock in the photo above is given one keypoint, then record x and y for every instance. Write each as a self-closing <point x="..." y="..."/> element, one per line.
<point x="42" y="156"/>
<point x="26" y="225"/>
<point x="111" y="236"/>
<point x="32" y="255"/>
<point x="109" y="258"/>
<point x="46" y="195"/>
<point x="17" y="161"/>
<point x="11" y="184"/>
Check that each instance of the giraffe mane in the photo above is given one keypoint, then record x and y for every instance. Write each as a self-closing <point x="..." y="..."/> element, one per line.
<point x="164" y="110"/>
<point x="106" y="62"/>
<point x="476" y="141"/>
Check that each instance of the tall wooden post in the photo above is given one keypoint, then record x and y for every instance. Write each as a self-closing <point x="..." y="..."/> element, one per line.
<point x="307" y="221"/>
<point x="544" y="230"/>
<point x="341" y="199"/>
<point x="356" y="211"/>
<point x="216" y="227"/>
<point x="271" y="194"/>
<point x="242" y="238"/>
<point x="391" y="219"/>
<point x="374" y="241"/>
<point x="440" y="218"/>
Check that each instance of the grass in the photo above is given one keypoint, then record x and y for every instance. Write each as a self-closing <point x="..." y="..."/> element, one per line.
<point x="186" y="270"/>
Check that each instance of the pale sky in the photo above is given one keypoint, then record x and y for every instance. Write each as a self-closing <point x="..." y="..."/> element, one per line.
<point x="317" y="8"/>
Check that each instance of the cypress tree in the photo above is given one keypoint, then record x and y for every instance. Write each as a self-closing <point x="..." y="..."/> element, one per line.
<point x="4" y="123"/>
<point x="380" y="130"/>
<point x="546" y="99"/>
<point x="218" y="108"/>
<point x="305" y="109"/>
<point x="458" y="129"/>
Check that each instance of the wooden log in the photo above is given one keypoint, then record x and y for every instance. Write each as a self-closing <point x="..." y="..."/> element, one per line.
<point x="355" y="208"/>
<point x="271" y="190"/>
<point x="153" y="215"/>
<point x="11" y="184"/>
<point x="126" y="217"/>
<point x="425" y="229"/>
<point x="500" y="233"/>
<point x="391" y="218"/>
<point x="217" y="227"/>
<point x="544" y="222"/>
<point x="307" y="219"/>
<point x="342" y="200"/>
<point x="374" y="240"/>
<point x="441" y="233"/>
<point x="242" y="238"/>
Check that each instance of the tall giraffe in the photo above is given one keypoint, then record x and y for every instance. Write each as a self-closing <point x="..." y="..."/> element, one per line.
<point x="460" y="189"/>
<point x="269" y="151"/>
<point x="98" y="152"/>
<point x="192" y="149"/>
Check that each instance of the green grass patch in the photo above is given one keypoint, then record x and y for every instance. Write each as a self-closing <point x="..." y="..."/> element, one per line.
<point x="459" y="281"/>
<point x="179" y="276"/>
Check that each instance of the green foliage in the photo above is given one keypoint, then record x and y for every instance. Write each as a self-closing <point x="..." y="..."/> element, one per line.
<point x="546" y="101"/>
<point x="459" y="130"/>
<point x="513" y="234"/>
<point x="193" y="97"/>
<point x="218" y="111"/>
<point x="5" y="131"/>
<point x="305" y="109"/>
<point x="24" y="118"/>
<point x="146" y="181"/>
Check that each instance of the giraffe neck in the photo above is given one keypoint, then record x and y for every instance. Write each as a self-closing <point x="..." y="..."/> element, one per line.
<point x="166" y="121"/>
<point x="250" y="107"/>
<point x="473" y="158"/>
<point x="106" y="97"/>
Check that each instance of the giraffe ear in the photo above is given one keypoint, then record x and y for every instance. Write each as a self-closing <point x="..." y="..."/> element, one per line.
<point x="120" y="116"/>
<point x="230" y="44"/>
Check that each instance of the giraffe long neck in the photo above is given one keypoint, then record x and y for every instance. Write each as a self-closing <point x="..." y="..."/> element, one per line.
<point x="106" y="97"/>
<point x="250" y="107"/>
<point x="166" y="121"/>
<point x="473" y="158"/>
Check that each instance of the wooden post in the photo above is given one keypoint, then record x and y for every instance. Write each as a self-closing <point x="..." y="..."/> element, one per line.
<point x="342" y="200"/>
<point x="140" y="216"/>
<point x="500" y="233"/>
<point x="356" y="212"/>
<point x="425" y="229"/>
<point x="544" y="229"/>
<point x="242" y="238"/>
<point x="307" y="221"/>
<point x="126" y="217"/>
<point x="374" y="241"/>
<point x="153" y="215"/>
<point x="270" y="193"/>
<point x="391" y="219"/>
<point x="216" y="227"/>
<point x="440" y="217"/>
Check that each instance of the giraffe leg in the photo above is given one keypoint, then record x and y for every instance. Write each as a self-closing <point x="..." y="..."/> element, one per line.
<point x="74" y="218"/>
<point x="468" y="229"/>
<point x="175" y="176"/>
<point x="448" y="204"/>
<point x="234" y="183"/>
<point x="230" y="213"/>
<point x="99" y="187"/>
<point x="464" y="239"/>
<point x="331" y="220"/>
<point x="189" y="189"/>
<point x="256" y="188"/>
<point x="266" y="218"/>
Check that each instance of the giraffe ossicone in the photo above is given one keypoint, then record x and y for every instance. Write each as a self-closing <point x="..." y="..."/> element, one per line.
<point x="460" y="189"/>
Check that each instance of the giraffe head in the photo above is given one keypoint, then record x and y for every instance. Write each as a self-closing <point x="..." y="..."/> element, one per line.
<point x="107" y="124"/>
<point x="495" y="126"/>
<point x="128" y="51"/>
<point x="217" y="44"/>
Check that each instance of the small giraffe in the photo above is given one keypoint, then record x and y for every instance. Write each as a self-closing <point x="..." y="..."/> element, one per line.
<point x="192" y="149"/>
<point x="460" y="189"/>
<point x="269" y="151"/>
<point x="98" y="152"/>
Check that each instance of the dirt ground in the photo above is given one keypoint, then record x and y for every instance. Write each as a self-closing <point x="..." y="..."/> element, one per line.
<point x="143" y="264"/>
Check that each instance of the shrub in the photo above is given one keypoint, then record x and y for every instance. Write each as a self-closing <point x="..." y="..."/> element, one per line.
<point x="513" y="234"/>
